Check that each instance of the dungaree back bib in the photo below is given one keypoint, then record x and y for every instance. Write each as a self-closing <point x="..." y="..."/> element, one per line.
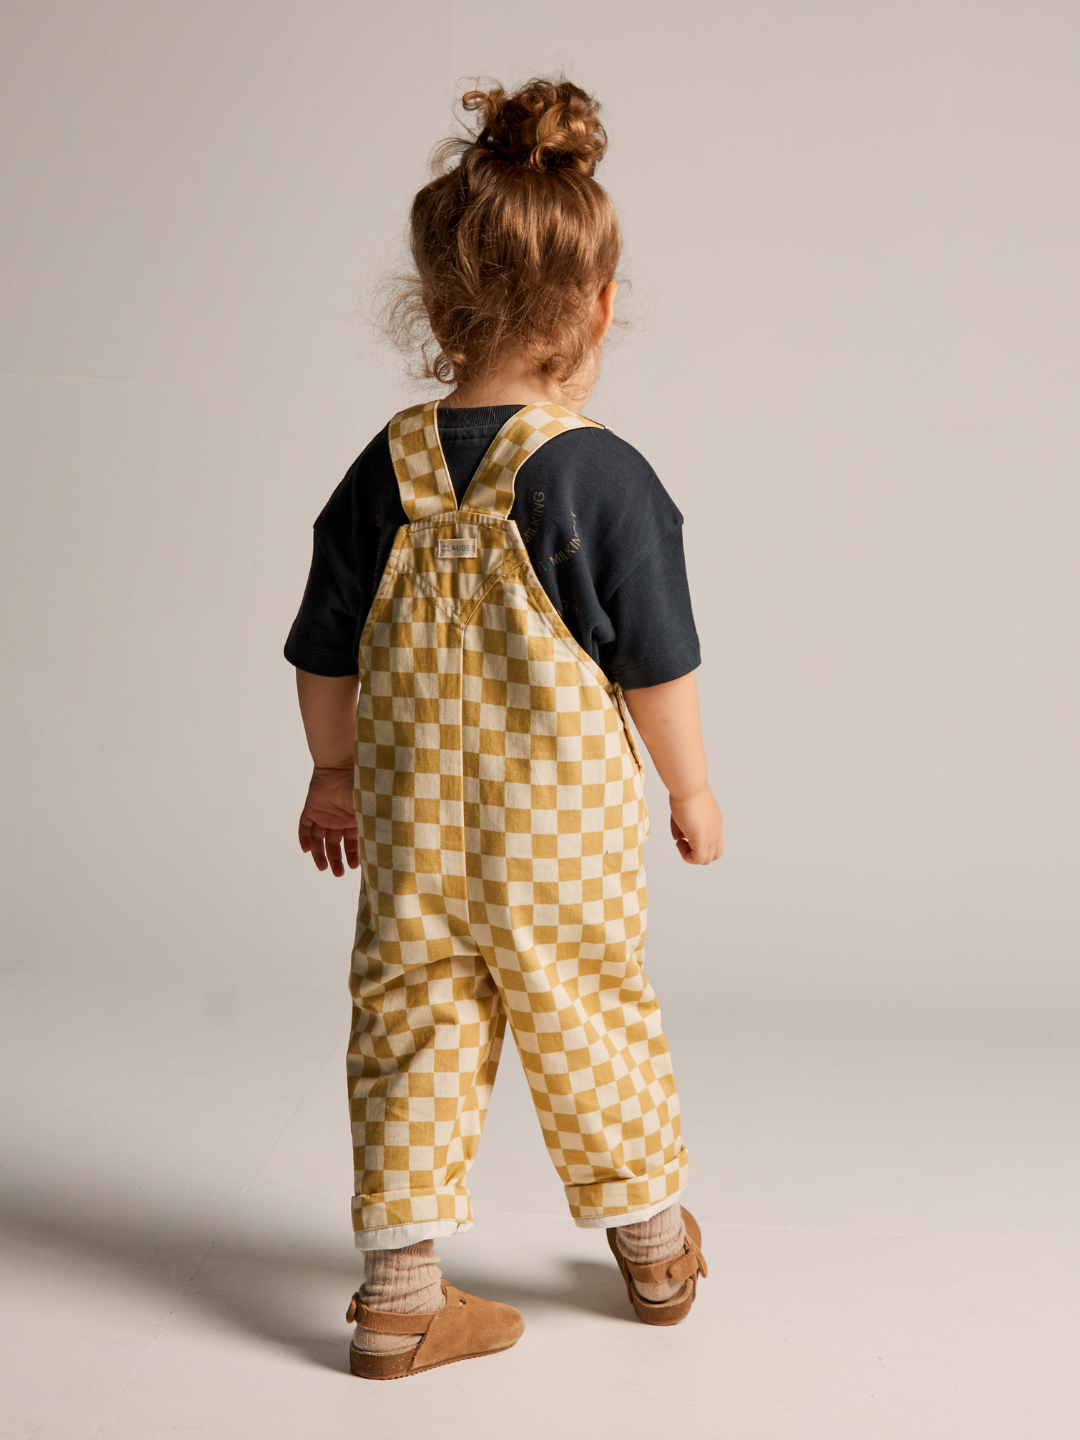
<point x="501" y="814"/>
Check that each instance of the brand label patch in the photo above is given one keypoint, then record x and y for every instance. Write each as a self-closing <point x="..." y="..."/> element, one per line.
<point x="457" y="549"/>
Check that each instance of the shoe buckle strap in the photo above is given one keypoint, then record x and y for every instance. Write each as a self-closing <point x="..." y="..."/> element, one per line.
<point x="681" y="1267"/>
<point x="454" y="1301"/>
<point x="388" y="1322"/>
<point x="685" y="1265"/>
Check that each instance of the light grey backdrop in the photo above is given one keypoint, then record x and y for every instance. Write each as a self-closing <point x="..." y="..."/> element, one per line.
<point x="852" y="234"/>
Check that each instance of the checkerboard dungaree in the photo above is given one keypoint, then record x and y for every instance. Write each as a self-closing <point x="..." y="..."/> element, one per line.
<point x="500" y="805"/>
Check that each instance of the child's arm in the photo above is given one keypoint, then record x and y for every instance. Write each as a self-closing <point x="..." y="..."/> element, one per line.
<point x="667" y="720"/>
<point x="328" y="708"/>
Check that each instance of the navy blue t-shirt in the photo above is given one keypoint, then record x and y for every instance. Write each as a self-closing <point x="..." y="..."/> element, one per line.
<point x="603" y="535"/>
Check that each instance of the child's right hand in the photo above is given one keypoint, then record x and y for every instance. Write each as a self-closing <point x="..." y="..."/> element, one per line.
<point x="697" y="827"/>
<point x="328" y="820"/>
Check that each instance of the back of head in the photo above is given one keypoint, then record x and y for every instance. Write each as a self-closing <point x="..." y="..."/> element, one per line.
<point x="513" y="239"/>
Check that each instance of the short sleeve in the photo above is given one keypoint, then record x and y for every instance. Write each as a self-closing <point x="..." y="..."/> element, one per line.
<point x="323" y="634"/>
<point x="655" y="636"/>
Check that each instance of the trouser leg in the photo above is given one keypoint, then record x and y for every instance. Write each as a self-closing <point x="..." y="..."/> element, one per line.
<point x="590" y="1038"/>
<point x="423" y="1052"/>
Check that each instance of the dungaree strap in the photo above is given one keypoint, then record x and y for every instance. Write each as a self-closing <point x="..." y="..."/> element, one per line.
<point x="419" y="463"/>
<point x="492" y="487"/>
<point x="421" y="470"/>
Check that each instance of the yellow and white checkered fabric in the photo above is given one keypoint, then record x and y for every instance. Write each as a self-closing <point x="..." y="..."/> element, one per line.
<point x="423" y="479"/>
<point x="492" y="486"/>
<point x="502" y="819"/>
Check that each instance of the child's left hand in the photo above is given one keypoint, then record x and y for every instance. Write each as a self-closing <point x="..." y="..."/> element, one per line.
<point x="328" y="820"/>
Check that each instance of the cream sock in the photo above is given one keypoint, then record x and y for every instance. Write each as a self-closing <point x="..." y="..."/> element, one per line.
<point x="405" y="1281"/>
<point x="649" y="1241"/>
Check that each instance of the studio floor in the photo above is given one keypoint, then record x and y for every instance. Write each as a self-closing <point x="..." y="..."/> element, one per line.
<point x="889" y="1209"/>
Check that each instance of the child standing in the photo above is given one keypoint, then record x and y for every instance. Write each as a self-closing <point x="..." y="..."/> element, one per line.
<point x="495" y="584"/>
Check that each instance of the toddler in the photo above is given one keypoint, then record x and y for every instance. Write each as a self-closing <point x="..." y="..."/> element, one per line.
<point x="497" y="586"/>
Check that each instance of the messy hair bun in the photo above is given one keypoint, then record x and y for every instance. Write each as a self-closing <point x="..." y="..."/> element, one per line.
<point x="544" y="125"/>
<point x="513" y="239"/>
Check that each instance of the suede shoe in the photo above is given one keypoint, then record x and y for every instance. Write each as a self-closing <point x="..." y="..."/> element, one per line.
<point x="686" y="1266"/>
<point x="465" y="1328"/>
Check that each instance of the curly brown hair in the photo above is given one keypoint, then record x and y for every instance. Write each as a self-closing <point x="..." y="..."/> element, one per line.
<point x="513" y="239"/>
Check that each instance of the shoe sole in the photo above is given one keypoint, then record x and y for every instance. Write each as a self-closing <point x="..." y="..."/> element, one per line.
<point x="371" y="1366"/>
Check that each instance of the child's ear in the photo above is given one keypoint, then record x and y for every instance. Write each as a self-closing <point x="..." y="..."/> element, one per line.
<point x="605" y="310"/>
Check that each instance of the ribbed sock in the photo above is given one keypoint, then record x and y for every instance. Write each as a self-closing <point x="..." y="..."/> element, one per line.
<point x="650" y="1241"/>
<point x="405" y="1281"/>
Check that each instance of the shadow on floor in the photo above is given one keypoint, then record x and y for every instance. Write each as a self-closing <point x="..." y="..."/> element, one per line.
<point x="582" y="1285"/>
<point x="279" y="1289"/>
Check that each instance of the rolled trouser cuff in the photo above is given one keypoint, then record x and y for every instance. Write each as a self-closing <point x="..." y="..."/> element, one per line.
<point x="394" y="1237"/>
<point x="391" y="1219"/>
<point x="626" y="1201"/>
<point x="630" y="1217"/>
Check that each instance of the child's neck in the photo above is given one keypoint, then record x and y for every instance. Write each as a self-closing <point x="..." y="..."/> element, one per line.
<point x="517" y="383"/>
